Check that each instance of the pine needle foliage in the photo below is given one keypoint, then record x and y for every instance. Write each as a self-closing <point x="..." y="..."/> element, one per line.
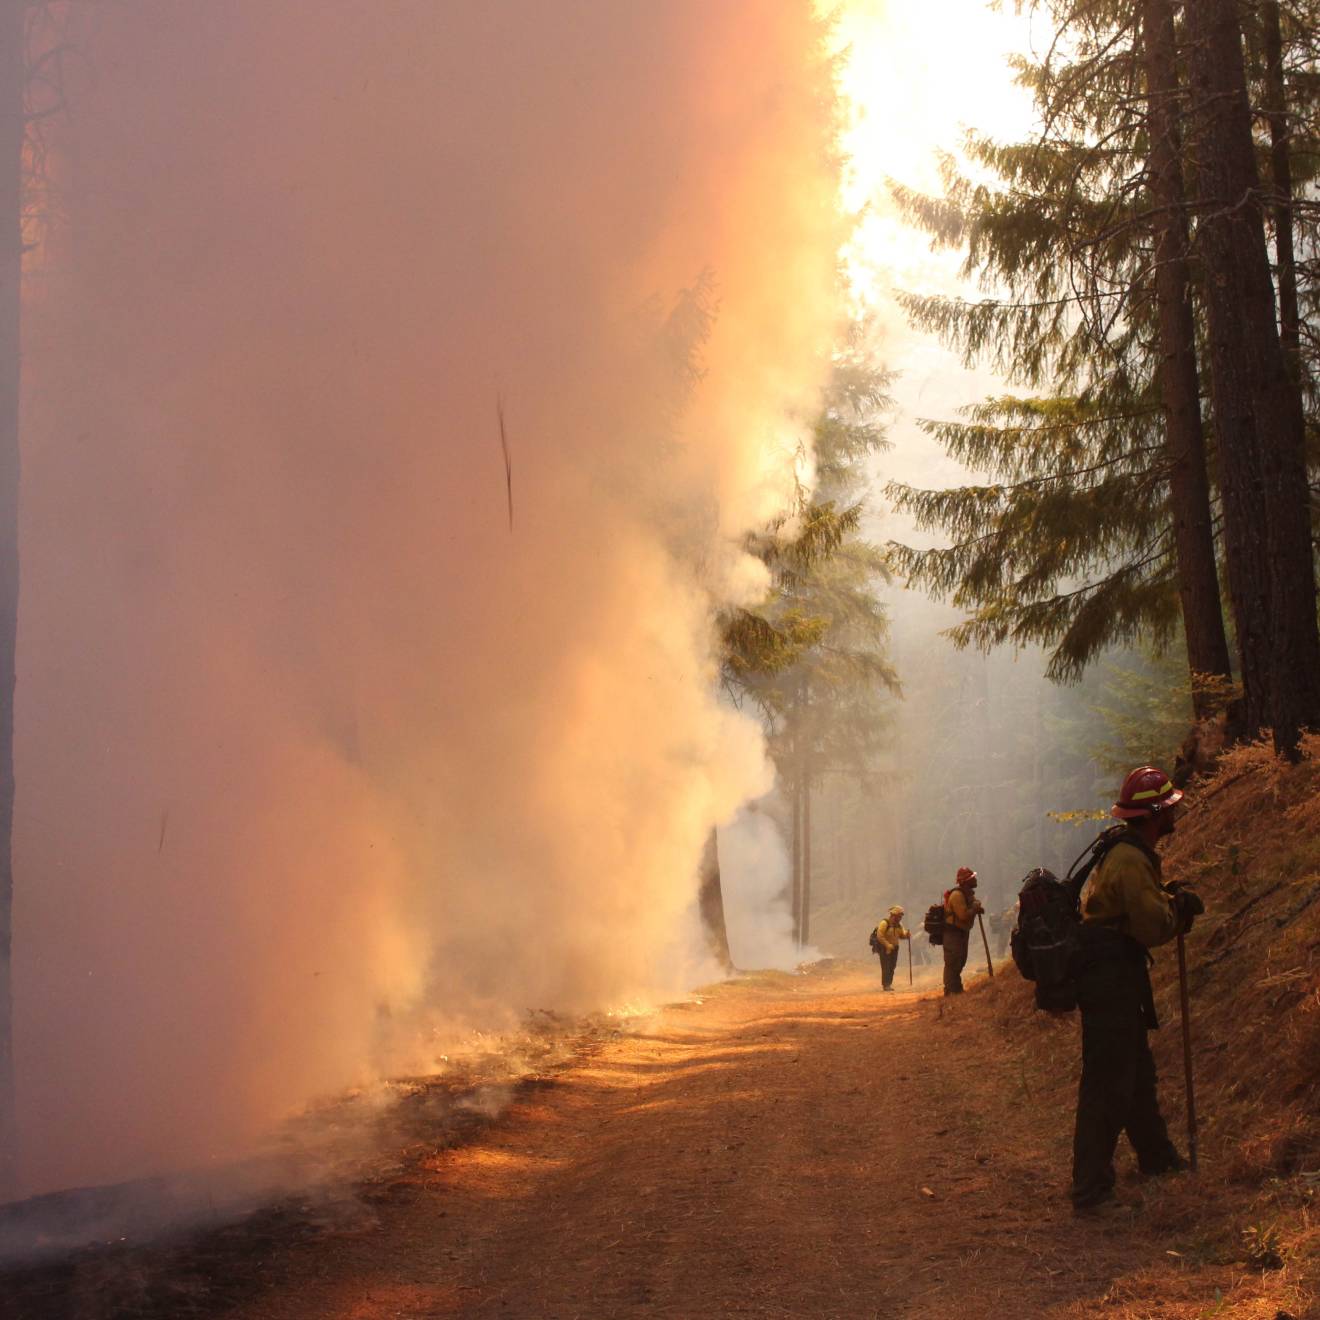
<point x="813" y="658"/>
<point x="1071" y="548"/>
<point x="1068" y="543"/>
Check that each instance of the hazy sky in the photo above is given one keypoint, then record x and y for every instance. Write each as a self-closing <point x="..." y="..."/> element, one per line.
<point x="917" y="75"/>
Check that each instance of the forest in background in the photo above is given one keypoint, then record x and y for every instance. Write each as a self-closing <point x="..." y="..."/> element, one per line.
<point x="1141" y="518"/>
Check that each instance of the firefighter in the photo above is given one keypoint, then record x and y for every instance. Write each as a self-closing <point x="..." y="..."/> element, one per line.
<point x="961" y="908"/>
<point x="1126" y="910"/>
<point x="888" y="933"/>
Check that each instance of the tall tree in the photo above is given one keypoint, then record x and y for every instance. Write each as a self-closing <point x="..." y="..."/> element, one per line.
<point x="1096" y="527"/>
<point x="12" y="121"/>
<point x="1179" y="378"/>
<point x="1281" y="170"/>
<point x="813" y="658"/>
<point x="833" y="711"/>
<point x="836" y="717"/>
<point x="1259" y="422"/>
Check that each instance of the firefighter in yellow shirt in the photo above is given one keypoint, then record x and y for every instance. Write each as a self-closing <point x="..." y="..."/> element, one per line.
<point x="888" y="933"/>
<point x="1126" y="910"/>
<point x="961" y="908"/>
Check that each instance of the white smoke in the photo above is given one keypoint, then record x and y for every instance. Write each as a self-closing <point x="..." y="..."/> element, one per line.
<point x="320" y="760"/>
<point x="755" y="875"/>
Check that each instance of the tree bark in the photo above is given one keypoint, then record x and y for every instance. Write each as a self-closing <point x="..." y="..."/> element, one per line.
<point x="1038" y="772"/>
<point x="1180" y="388"/>
<point x="1276" y="114"/>
<point x="710" y="899"/>
<point x="1258" y="413"/>
<point x="12" y="18"/>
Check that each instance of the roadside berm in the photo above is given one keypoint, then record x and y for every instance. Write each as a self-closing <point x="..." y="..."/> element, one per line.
<point x="801" y="1145"/>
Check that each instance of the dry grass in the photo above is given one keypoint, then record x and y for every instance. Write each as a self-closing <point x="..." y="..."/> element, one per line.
<point x="1250" y="843"/>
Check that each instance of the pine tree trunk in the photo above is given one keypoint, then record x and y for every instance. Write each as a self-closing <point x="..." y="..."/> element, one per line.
<point x="12" y="14"/>
<point x="795" y="796"/>
<point x="710" y="899"/>
<point x="1189" y="485"/>
<point x="1258" y="412"/>
<point x="805" y="769"/>
<point x="804" y="937"/>
<point x="1038" y="773"/>
<point x="832" y="830"/>
<point x="1276" y="110"/>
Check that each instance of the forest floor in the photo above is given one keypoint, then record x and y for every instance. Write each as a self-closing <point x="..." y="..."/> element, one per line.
<point x="782" y="1145"/>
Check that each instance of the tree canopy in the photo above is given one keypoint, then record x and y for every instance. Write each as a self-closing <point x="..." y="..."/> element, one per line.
<point x="1108" y="472"/>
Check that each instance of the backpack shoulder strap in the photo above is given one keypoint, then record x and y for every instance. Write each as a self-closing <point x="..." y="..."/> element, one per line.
<point x="1090" y="857"/>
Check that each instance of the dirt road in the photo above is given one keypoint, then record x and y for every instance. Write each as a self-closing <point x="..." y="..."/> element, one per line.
<point x="787" y="1146"/>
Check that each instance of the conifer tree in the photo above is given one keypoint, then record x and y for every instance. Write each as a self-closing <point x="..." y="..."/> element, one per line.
<point x="1259" y="420"/>
<point x="13" y="14"/>
<point x="1283" y="82"/>
<point x="1178" y="374"/>
<point x="1269" y="26"/>
<point x="1099" y="523"/>
<point x="812" y="659"/>
<point x="1102" y="507"/>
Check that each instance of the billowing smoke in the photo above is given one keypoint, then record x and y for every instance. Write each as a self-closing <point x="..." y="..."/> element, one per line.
<point x="756" y="871"/>
<point x="323" y="752"/>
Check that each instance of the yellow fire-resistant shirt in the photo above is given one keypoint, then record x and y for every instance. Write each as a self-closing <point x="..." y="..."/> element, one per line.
<point x="1124" y="892"/>
<point x="889" y="934"/>
<point x="958" y="911"/>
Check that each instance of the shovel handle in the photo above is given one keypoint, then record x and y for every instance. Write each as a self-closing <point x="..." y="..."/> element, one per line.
<point x="989" y="966"/>
<point x="1187" y="1052"/>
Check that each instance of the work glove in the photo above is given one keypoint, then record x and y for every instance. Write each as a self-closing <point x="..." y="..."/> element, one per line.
<point x="1188" y="904"/>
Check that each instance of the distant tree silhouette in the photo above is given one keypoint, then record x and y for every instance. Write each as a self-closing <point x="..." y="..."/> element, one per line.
<point x="813" y="659"/>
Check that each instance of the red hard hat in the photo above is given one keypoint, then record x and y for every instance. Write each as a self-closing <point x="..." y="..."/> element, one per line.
<point x="1145" y="791"/>
<point x="966" y="875"/>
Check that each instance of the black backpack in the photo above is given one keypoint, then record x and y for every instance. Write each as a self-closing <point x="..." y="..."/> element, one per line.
<point x="933" y="925"/>
<point x="1047" y="937"/>
<point x="876" y="946"/>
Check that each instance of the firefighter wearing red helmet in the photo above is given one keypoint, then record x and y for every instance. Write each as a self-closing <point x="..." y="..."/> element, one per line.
<point x="1126" y="910"/>
<point x="1146" y="792"/>
<point x="961" y="908"/>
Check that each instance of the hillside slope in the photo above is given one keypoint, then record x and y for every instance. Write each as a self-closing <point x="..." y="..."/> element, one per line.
<point x="1249" y="841"/>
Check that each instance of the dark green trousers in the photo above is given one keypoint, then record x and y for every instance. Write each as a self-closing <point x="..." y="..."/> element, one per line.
<point x="955" y="958"/>
<point x="1117" y="1093"/>
<point x="888" y="961"/>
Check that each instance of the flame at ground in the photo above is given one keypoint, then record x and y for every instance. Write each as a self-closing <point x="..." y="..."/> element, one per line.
<point x="319" y="758"/>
